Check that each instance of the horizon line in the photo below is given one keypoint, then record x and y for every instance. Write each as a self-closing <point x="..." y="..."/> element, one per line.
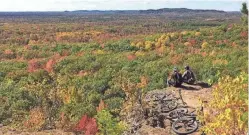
<point x="115" y="10"/>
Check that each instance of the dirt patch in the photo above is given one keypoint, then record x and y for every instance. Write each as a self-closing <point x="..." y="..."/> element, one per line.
<point x="192" y="96"/>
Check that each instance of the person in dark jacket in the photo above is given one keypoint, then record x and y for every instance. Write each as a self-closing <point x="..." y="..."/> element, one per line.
<point x="188" y="76"/>
<point x="175" y="79"/>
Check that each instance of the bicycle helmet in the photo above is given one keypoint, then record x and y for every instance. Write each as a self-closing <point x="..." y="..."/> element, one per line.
<point x="175" y="69"/>
<point x="187" y="67"/>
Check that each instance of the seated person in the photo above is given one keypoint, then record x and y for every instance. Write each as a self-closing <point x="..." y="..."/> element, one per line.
<point x="188" y="76"/>
<point x="176" y="79"/>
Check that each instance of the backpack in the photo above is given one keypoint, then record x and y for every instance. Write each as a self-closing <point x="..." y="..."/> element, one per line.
<point x="189" y="77"/>
<point x="178" y="77"/>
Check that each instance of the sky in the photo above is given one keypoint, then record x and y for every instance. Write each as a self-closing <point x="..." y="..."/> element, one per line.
<point x="70" y="5"/>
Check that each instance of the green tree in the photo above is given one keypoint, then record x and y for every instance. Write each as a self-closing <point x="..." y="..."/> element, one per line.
<point x="244" y="10"/>
<point x="109" y="125"/>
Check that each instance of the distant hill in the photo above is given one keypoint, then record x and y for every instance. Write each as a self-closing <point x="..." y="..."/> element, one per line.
<point x="179" y="10"/>
<point x="164" y="11"/>
<point x="151" y="11"/>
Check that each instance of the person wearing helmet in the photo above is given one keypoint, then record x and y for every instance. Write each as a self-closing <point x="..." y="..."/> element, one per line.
<point x="188" y="76"/>
<point x="175" y="79"/>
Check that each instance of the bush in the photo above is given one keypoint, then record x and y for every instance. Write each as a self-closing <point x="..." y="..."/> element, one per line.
<point x="15" y="103"/>
<point x="60" y="48"/>
<point x="123" y="45"/>
<point x="114" y="104"/>
<point x="17" y="75"/>
<point x="41" y="76"/>
<point x="6" y="67"/>
<point x="36" y="119"/>
<point x="74" y="111"/>
<point x="33" y="54"/>
<point x="228" y="109"/>
<point x="109" y="125"/>
<point x="88" y="125"/>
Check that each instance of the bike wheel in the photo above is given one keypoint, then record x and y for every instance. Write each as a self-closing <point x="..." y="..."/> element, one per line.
<point x="169" y="106"/>
<point x="185" y="126"/>
<point x="174" y="114"/>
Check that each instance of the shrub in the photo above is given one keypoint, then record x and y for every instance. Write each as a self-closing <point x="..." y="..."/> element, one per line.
<point x="8" y="54"/>
<point x="123" y="45"/>
<point x="49" y="65"/>
<point x="41" y="76"/>
<point x="17" y="75"/>
<point x="33" y="65"/>
<point x="114" y="104"/>
<point x="36" y="119"/>
<point x="6" y="67"/>
<point x="109" y="125"/>
<point x="33" y="54"/>
<point x="60" y="48"/>
<point x="88" y="125"/>
<point x="228" y="109"/>
<point x="15" y="103"/>
<point x="74" y="111"/>
<point x="101" y="106"/>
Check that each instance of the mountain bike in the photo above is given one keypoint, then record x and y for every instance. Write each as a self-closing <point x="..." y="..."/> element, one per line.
<point x="170" y="102"/>
<point x="183" y="122"/>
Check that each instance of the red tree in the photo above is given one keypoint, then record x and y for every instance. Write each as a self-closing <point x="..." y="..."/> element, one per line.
<point x="192" y="41"/>
<point x="88" y="125"/>
<point x="244" y="34"/>
<point x="33" y="65"/>
<point x="49" y="65"/>
<point x="131" y="57"/>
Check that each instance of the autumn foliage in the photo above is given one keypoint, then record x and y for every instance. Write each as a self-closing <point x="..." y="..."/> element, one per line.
<point x="88" y="125"/>
<point x="8" y="51"/>
<point x="131" y="57"/>
<point x="244" y="34"/>
<point x="36" y="119"/>
<point x="33" y="65"/>
<point x="62" y="67"/>
<point x="49" y="65"/>
<point x="228" y="111"/>
<point x="101" y="106"/>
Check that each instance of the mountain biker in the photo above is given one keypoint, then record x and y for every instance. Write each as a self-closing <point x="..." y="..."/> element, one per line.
<point x="188" y="76"/>
<point x="175" y="79"/>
